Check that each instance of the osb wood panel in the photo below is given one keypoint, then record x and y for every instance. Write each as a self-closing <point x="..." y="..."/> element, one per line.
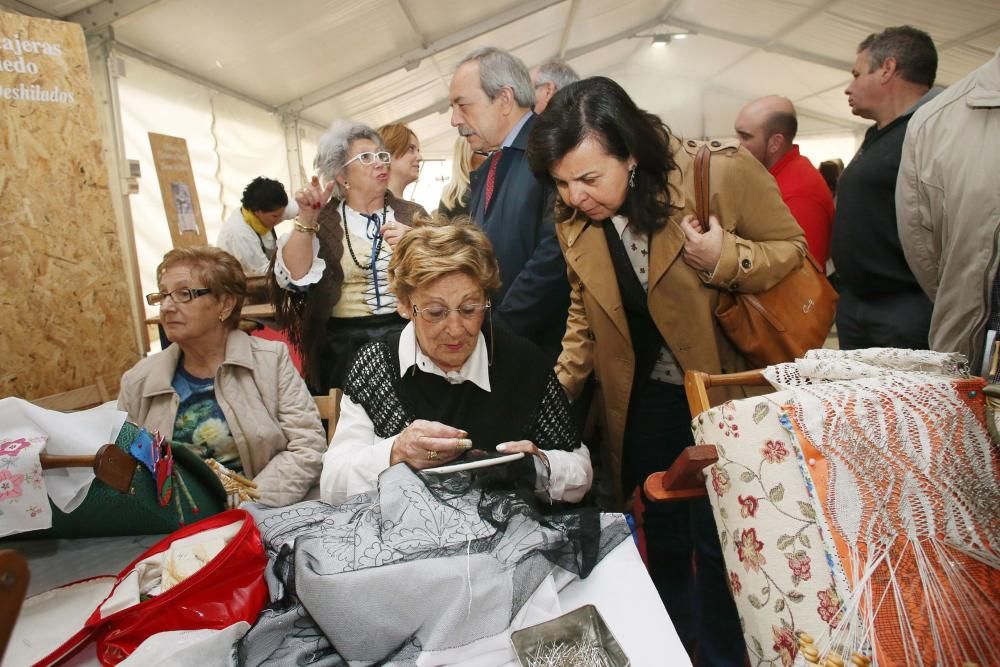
<point x="180" y="197"/>
<point x="64" y="302"/>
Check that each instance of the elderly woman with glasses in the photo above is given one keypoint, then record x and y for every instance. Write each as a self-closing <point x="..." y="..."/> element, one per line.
<point x="333" y="295"/>
<point x="220" y="392"/>
<point x="446" y="386"/>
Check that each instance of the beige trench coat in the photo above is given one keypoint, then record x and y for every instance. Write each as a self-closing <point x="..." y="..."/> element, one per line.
<point x="270" y="412"/>
<point x="763" y="243"/>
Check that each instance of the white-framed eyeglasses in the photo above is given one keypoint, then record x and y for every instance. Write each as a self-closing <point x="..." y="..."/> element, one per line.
<point x="178" y="295"/>
<point x="369" y="158"/>
<point x="435" y="314"/>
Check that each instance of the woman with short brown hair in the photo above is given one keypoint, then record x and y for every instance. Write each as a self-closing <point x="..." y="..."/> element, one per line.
<point x="218" y="391"/>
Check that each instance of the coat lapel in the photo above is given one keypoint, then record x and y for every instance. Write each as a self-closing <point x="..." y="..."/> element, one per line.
<point x="587" y="252"/>
<point x="666" y="244"/>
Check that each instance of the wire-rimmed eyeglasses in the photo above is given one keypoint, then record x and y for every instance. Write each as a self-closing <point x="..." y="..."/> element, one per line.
<point x="369" y="158"/>
<point x="178" y="295"/>
<point x="435" y="314"/>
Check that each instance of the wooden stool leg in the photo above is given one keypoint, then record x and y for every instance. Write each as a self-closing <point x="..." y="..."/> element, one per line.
<point x="14" y="578"/>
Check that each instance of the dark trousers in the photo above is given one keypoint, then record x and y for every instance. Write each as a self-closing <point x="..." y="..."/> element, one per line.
<point x="693" y="590"/>
<point x="897" y="320"/>
<point x="344" y="337"/>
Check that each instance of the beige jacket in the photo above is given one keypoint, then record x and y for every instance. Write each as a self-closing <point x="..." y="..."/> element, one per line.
<point x="948" y="207"/>
<point x="266" y="403"/>
<point x="745" y="198"/>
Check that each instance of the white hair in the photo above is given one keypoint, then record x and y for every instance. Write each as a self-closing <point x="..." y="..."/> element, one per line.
<point x="557" y="72"/>
<point x="334" y="148"/>
<point x="499" y="69"/>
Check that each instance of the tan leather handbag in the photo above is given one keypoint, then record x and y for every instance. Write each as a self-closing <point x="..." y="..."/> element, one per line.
<point x="779" y="324"/>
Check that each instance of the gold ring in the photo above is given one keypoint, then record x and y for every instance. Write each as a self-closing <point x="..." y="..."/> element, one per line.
<point x="432" y="455"/>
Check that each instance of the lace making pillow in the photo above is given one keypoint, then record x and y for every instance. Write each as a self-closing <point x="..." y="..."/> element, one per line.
<point x="780" y="572"/>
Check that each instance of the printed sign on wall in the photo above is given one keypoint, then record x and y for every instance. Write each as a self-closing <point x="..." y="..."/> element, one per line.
<point x="180" y="198"/>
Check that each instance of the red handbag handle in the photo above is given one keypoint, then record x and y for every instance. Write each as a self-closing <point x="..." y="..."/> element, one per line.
<point x="701" y="190"/>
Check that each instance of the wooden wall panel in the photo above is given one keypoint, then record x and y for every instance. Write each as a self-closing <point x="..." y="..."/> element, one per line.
<point x="64" y="303"/>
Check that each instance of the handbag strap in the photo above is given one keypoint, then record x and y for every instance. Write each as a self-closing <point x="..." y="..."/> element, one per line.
<point x="701" y="189"/>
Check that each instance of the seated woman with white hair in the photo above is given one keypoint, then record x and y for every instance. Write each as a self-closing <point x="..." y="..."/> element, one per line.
<point x="330" y="288"/>
<point x="444" y="384"/>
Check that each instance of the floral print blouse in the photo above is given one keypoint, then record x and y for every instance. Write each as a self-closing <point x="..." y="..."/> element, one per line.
<point x="200" y="425"/>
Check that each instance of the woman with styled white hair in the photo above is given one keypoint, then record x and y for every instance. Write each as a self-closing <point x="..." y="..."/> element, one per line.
<point x="333" y="294"/>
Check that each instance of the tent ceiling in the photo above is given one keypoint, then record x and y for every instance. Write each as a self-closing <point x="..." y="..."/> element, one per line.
<point x="384" y="60"/>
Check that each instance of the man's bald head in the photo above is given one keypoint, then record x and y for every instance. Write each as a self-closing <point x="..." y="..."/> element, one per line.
<point x="766" y="127"/>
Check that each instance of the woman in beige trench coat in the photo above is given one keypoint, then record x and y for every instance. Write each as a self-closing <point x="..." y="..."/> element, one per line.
<point x="645" y="282"/>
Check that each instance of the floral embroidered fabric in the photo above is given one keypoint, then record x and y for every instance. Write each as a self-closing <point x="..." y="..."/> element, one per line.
<point x="24" y="503"/>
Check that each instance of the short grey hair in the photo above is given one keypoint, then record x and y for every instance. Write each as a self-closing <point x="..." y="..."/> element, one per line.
<point x="334" y="149"/>
<point x="557" y="72"/>
<point x="497" y="69"/>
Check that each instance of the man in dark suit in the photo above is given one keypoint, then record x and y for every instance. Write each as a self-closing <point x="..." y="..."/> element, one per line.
<point x="491" y="101"/>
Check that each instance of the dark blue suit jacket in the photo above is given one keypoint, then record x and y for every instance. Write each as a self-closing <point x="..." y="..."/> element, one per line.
<point x="534" y="298"/>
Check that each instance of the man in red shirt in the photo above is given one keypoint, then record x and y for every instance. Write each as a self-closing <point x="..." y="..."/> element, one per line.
<point x="766" y="127"/>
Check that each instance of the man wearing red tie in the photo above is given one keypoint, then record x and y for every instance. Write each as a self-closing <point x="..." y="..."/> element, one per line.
<point x="491" y="101"/>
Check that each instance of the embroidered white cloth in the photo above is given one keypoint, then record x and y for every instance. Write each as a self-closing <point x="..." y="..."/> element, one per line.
<point x="23" y="501"/>
<point x="68" y="433"/>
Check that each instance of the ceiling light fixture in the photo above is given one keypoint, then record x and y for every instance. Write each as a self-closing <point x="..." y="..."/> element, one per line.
<point x="661" y="39"/>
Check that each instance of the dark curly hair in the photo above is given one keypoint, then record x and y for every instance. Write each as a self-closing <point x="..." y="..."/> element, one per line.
<point x="598" y="107"/>
<point x="264" y="194"/>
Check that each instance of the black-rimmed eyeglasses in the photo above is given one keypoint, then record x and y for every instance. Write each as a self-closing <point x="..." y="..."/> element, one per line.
<point x="369" y="158"/>
<point x="178" y="295"/>
<point x="435" y="314"/>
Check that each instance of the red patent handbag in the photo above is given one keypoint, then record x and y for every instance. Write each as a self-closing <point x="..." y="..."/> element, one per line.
<point x="228" y="589"/>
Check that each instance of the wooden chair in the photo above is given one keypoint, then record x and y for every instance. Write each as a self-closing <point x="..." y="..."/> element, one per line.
<point x="79" y="399"/>
<point x="685" y="479"/>
<point x="329" y="409"/>
<point x="13" y="586"/>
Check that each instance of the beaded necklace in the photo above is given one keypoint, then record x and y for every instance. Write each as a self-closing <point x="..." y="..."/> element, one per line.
<point x="374" y="236"/>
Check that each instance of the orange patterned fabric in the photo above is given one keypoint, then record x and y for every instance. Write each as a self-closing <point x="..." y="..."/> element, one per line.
<point x="910" y="494"/>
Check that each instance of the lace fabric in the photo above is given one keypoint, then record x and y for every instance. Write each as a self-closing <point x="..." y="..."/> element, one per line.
<point x="825" y="365"/>
<point x="911" y="497"/>
<point x="425" y="563"/>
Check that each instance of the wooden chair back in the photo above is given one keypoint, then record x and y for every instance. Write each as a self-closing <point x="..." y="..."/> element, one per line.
<point x="329" y="409"/>
<point x="697" y="384"/>
<point x="685" y="478"/>
<point x="79" y="399"/>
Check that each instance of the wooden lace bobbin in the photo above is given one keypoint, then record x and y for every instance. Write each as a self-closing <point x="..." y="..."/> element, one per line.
<point x="834" y="660"/>
<point x="859" y="660"/>
<point x="806" y="648"/>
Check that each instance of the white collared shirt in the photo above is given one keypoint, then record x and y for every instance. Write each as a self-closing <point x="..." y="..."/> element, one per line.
<point x="476" y="368"/>
<point x="357" y="455"/>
